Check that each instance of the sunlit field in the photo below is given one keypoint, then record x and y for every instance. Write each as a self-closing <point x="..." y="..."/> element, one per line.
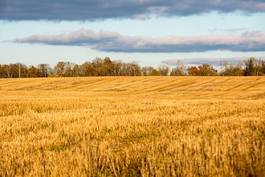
<point x="133" y="126"/>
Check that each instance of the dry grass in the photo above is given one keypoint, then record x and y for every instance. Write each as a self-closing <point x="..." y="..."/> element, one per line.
<point x="133" y="126"/>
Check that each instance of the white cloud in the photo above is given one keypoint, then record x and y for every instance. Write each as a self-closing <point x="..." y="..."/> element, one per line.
<point x="115" y="42"/>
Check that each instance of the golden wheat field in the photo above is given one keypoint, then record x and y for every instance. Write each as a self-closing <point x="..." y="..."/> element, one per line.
<point x="133" y="126"/>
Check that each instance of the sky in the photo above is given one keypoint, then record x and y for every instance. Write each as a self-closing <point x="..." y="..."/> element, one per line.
<point x="149" y="32"/>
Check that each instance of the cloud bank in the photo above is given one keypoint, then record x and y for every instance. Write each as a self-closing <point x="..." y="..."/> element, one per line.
<point x="115" y="42"/>
<point x="199" y="61"/>
<point x="102" y="9"/>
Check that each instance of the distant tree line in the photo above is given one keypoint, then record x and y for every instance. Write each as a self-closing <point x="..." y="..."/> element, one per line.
<point x="108" y="67"/>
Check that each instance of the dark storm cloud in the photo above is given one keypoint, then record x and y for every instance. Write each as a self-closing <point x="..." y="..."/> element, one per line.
<point x="102" y="9"/>
<point x="115" y="42"/>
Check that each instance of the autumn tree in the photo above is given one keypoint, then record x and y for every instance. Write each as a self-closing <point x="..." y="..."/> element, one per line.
<point x="207" y="70"/>
<point x="202" y="70"/>
<point x="76" y="70"/>
<point x="259" y="66"/>
<point x="249" y="67"/>
<point x="179" y="70"/>
<point x="193" y="71"/>
<point x="33" y="71"/>
<point x="263" y="67"/>
<point x="60" y="68"/>
<point x="68" y="69"/>
<point x="117" y="68"/>
<point x="43" y="70"/>
<point x="163" y="70"/>
<point x="232" y="70"/>
<point x="86" y="69"/>
<point x="254" y="67"/>
<point x="150" y="71"/>
<point x="4" y="71"/>
<point x="131" y="69"/>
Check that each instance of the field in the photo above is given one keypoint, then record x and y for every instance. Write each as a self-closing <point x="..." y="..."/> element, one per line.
<point x="133" y="126"/>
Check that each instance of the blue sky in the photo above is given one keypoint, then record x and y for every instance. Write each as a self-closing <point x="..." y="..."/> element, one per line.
<point x="147" y="38"/>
